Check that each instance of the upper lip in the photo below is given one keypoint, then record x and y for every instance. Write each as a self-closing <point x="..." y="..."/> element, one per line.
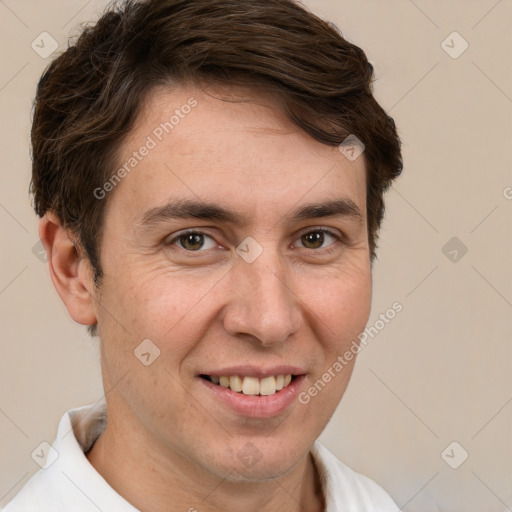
<point x="255" y="371"/>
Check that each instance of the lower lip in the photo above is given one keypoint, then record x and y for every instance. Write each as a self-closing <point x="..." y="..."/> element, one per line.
<point x="257" y="406"/>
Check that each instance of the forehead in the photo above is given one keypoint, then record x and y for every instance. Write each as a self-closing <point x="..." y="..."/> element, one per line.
<point x="228" y="147"/>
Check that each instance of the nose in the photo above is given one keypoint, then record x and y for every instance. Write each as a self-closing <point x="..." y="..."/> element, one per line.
<point x="262" y="304"/>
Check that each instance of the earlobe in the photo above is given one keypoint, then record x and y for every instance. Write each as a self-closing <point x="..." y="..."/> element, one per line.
<point x="70" y="272"/>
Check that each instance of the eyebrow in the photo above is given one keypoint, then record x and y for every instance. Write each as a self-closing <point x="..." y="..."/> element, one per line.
<point x="190" y="209"/>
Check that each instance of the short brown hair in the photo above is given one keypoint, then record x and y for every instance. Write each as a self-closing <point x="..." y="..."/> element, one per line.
<point x="89" y="97"/>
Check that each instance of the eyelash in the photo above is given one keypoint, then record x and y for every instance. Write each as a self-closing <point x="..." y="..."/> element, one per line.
<point x="325" y="250"/>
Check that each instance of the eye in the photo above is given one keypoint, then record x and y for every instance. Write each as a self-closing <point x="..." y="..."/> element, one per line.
<point x="317" y="238"/>
<point x="195" y="241"/>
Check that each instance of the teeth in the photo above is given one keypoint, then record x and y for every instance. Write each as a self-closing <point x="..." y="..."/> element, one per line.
<point x="235" y="383"/>
<point x="268" y="386"/>
<point x="253" y="385"/>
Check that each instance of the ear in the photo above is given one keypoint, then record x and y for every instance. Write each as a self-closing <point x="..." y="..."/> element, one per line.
<point x="70" y="272"/>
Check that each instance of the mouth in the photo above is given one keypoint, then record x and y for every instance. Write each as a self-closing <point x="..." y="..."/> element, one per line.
<point x="253" y="392"/>
<point x="250" y="385"/>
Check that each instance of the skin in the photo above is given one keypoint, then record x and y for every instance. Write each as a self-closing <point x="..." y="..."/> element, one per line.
<point x="168" y="441"/>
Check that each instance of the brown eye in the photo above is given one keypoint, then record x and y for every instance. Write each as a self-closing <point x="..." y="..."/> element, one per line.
<point x="316" y="239"/>
<point x="313" y="240"/>
<point x="191" y="242"/>
<point x="194" y="241"/>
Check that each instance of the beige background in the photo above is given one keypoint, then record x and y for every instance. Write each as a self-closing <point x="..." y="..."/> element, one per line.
<point x="441" y="370"/>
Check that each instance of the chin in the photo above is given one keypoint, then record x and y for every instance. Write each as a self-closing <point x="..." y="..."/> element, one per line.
<point x="261" y="460"/>
<point x="261" y="473"/>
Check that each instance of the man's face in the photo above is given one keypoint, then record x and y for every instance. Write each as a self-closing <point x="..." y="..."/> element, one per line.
<point x="288" y="300"/>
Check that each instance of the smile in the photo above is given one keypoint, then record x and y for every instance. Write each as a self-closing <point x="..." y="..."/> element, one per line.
<point x="249" y="385"/>
<point x="255" y="395"/>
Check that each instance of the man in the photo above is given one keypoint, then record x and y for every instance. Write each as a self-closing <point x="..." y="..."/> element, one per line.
<point x="209" y="176"/>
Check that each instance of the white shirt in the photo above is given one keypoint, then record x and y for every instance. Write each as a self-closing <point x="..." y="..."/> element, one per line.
<point x="69" y="483"/>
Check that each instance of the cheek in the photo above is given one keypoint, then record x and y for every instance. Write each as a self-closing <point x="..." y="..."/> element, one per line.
<point x="337" y="314"/>
<point x="161" y="305"/>
<point x="341" y="305"/>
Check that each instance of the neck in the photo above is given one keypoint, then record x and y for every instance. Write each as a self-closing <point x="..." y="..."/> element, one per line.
<point x="151" y="479"/>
